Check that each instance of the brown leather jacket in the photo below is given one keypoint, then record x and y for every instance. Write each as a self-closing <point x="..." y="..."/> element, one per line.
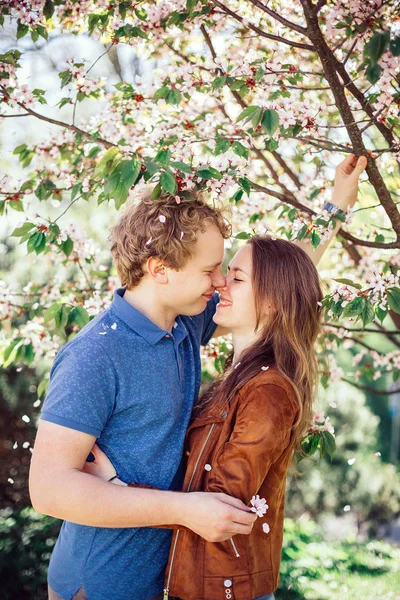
<point x="243" y="451"/>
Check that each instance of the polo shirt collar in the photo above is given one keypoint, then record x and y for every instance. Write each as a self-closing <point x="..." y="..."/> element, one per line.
<point x="137" y="321"/>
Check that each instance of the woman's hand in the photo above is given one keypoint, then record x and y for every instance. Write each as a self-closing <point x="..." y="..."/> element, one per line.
<point x="101" y="466"/>
<point x="345" y="190"/>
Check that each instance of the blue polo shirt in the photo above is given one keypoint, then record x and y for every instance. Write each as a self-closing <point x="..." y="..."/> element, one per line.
<point x="133" y="386"/>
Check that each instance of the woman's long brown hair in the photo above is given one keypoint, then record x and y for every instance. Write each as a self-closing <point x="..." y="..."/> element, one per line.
<point x="285" y="277"/>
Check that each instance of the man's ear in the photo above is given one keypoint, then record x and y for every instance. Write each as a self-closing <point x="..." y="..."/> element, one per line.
<point x="156" y="269"/>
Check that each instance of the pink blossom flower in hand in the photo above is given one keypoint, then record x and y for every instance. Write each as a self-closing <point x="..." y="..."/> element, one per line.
<point x="259" y="505"/>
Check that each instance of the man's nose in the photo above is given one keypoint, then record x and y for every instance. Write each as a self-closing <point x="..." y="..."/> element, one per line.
<point x="219" y="282"/>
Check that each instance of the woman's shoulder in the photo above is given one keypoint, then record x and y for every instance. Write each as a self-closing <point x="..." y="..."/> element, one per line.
<point x="270" y="376"/>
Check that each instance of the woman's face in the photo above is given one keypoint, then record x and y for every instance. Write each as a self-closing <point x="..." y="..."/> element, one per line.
<point x="236" y="309"/>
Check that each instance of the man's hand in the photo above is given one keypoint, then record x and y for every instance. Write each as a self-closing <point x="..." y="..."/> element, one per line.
<point x="215" y="517"/>
<point x="345" y="189"/>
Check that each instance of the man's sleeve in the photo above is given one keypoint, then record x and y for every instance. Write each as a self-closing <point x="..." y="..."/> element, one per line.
<point x="204" y="321"/>
<point x="82" y="388"/>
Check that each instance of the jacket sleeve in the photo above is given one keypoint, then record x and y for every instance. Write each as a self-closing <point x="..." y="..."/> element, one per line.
<point x="261" y="434"/>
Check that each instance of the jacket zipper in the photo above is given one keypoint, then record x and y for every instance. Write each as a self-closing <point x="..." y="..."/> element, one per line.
<point x="237" y="555"/>
<point x="166" y="589"/>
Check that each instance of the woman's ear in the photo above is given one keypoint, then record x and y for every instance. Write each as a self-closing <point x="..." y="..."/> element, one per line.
<point x="157" y="270"/>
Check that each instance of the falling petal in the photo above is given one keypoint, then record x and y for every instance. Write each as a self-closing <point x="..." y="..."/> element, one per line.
<point x="162" y="218"/>
<point x="181" y="234"/>
<point x="264" y="368"/>
<point x="266" y="528"/>
<point x="177" y="199"/>
<point x="148" y="241"/>
<point x="114" y="326"/>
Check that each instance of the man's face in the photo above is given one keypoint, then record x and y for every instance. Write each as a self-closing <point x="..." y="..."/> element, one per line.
<point x="191" y="287"/>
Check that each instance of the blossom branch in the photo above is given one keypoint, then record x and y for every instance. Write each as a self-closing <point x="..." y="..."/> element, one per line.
<point x="279" y="18"/>
<point x="260" y="32"/>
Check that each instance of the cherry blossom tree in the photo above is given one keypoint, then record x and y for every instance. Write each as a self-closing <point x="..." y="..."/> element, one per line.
<point x="253" y="102"/>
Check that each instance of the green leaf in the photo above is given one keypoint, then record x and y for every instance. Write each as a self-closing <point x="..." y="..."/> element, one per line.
<point x="190" y="5"/>
<point x="48" y="9"/>
<point x="160" y="93"/>
<point x="349" y="282"/>
<point x="141" y="13"/>
<point x="376" y="46"/>
<point x="381" y="313"/>
<point x="61" y="317"/>
<point x="303" y="231"/>
<point x="36" y="242"/>
<point x="393" y="297"/>
<point x="22" y="30"/>
<point x="16" y="205"/>
<point x="245" y="183"/>
<point x="395" y="46"/>
<point x="163" y="157"/>
<point x="330" y="443"/>
<point x="221" y="146"/>
<point x="67" y="246"/>
<point x="354" y="308"/>
<point x="168" y="182"/>
<point x="106" y="162"/>
<point x="66" y="78"/>
<point x="240" y="150"/>
<point x="247" y="113"/>
<point x="209" y="173"/>
<point x="315" y="238"/>
<point x="156" y="192"/>
<point x="173" y="97"/>
<point x="42" y="387"/>
<point x="23" y="230"/>
<point x="218" y="82"/>
<point x="42" y="31"/>
<point x="373" y="72"/>
<point x="256" y="118"/>
<point x="79" y="316"/>
<point x="20" y="149"/>
<point x="45" y="189"/>
<point x="243" y="235"/>
<point x="182" y="167"/>
<point x="273" y="145"/>
<point x="368" y="314"/>
<point x="122" y="178"/>
<point x="270" y="121"/>
<point x="50" y="313"/>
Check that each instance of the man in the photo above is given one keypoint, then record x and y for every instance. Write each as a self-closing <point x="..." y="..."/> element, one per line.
<point x="129" y="380"/>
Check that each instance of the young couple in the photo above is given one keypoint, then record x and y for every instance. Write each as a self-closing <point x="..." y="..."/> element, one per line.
<point x="166" y="503"/>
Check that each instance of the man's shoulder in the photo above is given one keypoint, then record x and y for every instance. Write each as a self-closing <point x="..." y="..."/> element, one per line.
<point x="94" y="339"/>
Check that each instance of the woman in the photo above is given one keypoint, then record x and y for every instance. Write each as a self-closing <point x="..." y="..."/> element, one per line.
<point x="251" y="421"/>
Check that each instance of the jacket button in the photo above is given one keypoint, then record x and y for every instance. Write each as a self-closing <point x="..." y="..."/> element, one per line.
<point x="227" y="583"/>
<point x="224" y="415"/>
<point x="208" y="467"/>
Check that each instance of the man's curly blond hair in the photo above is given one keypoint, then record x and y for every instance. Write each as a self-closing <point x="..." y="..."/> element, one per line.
<point x="163" y="228"/>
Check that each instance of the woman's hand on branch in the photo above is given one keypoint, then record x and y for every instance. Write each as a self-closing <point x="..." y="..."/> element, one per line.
<point x="345" y="190"/>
